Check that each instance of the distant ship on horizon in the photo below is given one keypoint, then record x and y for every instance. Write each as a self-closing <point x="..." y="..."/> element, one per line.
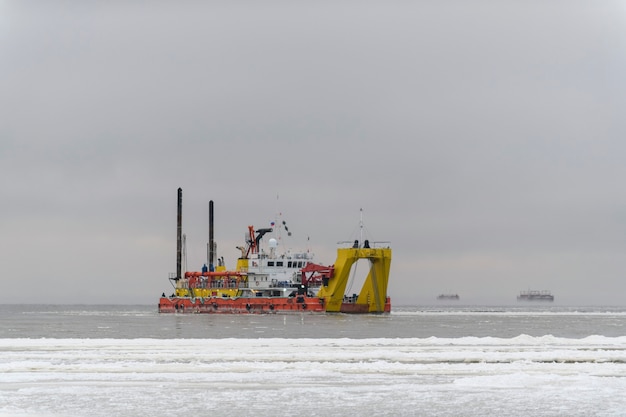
<point x="441" y="297"/>
<point x="534" y="295"/>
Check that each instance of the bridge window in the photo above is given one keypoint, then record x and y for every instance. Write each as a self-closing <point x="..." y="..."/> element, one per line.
<point x="270" y="263"/>
<point x="279" y="263"/>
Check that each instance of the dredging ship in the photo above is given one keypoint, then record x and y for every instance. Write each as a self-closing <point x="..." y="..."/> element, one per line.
<point x="534" y="295"/>
<point x="266" y="280"/>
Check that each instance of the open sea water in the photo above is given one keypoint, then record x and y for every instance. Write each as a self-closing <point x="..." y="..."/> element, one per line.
<point x="443" y="360"/>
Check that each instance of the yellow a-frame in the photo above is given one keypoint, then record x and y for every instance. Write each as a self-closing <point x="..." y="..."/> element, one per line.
<point x="373" y="295"/>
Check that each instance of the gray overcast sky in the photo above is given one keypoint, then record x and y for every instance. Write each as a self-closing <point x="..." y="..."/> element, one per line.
<point x="485" y="139"/>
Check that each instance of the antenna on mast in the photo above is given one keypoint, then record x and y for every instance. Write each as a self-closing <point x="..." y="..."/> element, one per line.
<point x="361" y="226"/>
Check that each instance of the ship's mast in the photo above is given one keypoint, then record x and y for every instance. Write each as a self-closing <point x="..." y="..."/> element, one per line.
<point x="276" y="223"/>
<point x="211" y="241"/>
<point x="361" y="228"/>
<point x="179" y="234"/>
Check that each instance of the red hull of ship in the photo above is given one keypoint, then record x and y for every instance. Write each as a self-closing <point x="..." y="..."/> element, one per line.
<point x="353" y="308"/>
<point x="256" y="305"/>
<point x="240" y="305"/>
